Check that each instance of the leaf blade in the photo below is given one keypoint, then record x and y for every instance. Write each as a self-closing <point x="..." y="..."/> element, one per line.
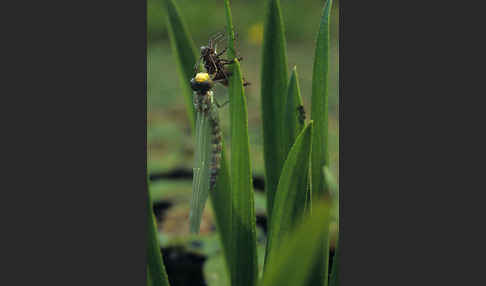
<point x="294" y="116"/>
<point x="155" y="266"/>
<point x="245" y="264"/>
<point x="300" y="245"/>
<point x="184" y="51"/>
<point x="319" y="114"/>
<point x="273" y="89"/>
<point x="290" y="199"/>
<point x="319" y="108"/>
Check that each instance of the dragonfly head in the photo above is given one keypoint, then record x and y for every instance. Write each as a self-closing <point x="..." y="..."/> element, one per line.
<point x="201" y="83"/>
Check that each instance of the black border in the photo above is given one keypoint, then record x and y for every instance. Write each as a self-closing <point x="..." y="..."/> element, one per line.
<point x="76" y="139"/>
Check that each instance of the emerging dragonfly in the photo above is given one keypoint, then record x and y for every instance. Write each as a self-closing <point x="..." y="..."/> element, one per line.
<point x="209" y="143"/>
<point x="204" y="103"/>
<point x="208" y="146"/>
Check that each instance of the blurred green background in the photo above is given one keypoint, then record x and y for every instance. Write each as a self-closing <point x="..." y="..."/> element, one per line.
<point x="169" y="139"/>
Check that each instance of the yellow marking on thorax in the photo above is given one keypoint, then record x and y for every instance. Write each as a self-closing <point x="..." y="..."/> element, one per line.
<point x="202" y="77"/>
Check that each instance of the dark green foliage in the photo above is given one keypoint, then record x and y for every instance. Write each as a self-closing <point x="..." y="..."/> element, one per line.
<point x="319" y="114"/>
<point x="294" y="117"/>
<point x="273" y="93"/>
<point x="290" y="199"/>
<point x="291" y="264"/>
<point x="244" y="265"/>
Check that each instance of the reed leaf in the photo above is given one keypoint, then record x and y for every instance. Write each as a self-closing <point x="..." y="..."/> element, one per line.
<point x="319" y="114"/>
<point x="290" y="199"/>
<point x="244" y="267"/>
<point x="273" y="93"/>
<point x="155" y="266"/>
<point x="243" y="252"/>
<point x="299" y="249"/>
<point x="319" y="108"/>
<point x="184" y="51"/>
<point x="294" y="112"/>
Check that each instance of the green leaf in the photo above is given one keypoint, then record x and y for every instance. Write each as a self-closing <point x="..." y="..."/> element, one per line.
<point x="320" y="154"/>
<point x="230" y="30"/>
<point x="273" y="94"/>
<point x="292" y="260"/>
<point x="319" y="109"/>
<point x="243" y="253"/>
<point x="185" y="52"/>
<point x="294" y="118"/>
<point x="244" y="265"/>
<point x="291" y="194"/>
<point x="156" y="268"/>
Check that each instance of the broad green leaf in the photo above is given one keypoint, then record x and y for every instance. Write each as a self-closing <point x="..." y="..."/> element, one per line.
<point x="320" y="154"/>
<point x="294" y="112"/>
<point x="155" y="265"/>
<point x="292" y="260"/>
<point x="291" y="194"/>
<point x="184" y="51"/>
<point x="244" y="265"/>
<point x="273" y="94"/>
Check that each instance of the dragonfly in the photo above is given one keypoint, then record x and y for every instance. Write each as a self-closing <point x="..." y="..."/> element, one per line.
<point x="208" y="146"/>
<point x="208" y="151"/>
